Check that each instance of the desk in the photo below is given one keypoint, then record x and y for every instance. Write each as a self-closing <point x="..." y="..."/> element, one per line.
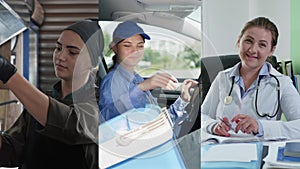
<point x="190" y="148"/>
<point x="267" y="146"/>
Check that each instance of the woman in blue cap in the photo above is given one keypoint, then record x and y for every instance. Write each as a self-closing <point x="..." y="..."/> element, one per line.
<point x="123" y="89"/>
<point x="58" y="132"/>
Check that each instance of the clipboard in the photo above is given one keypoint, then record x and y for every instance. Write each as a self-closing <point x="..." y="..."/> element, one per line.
<point x="127" y="139"/>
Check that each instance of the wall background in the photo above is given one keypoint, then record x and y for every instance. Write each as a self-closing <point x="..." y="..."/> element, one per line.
<point x="295" y="35"/>
<point x="222" y="22"/>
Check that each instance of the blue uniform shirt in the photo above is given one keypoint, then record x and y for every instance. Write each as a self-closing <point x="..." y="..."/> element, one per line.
<point x="119" y="92"/>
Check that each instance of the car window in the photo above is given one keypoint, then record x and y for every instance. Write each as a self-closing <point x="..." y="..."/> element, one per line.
<point x="167" y="50"/>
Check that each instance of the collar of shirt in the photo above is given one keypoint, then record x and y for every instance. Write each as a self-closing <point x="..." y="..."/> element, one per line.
<point x="86" y="91"/>
<point x="57" y="91"/>
<point x="264" y="72"/>
<point x="133" y="78"/>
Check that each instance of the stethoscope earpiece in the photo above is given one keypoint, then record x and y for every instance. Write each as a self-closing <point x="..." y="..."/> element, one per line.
<point x="228" y="99"/>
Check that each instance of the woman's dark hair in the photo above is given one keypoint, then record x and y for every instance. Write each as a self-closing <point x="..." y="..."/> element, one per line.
<point x="114" y="58"/>
<point x="265" y="23"/>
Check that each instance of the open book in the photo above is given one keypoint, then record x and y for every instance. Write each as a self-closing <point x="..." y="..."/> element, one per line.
<point x="239" y="137"/>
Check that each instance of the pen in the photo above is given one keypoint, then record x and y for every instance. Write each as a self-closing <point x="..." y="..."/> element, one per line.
<point x="228" y="125"/>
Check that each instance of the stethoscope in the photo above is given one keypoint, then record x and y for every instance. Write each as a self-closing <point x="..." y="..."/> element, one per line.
<point x="228" y="99"/>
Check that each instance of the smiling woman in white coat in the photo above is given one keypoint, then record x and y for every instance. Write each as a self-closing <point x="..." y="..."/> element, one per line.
<point x="251" y="96"/>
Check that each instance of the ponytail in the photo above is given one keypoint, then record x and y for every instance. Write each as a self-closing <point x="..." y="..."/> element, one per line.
<point x="114" y="59"/>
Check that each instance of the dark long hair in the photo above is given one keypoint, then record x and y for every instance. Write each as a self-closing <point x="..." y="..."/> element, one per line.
<point x="114" y="59"/>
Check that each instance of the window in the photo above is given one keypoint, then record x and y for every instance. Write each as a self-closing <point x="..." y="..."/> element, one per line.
<point x="168" y="50"/>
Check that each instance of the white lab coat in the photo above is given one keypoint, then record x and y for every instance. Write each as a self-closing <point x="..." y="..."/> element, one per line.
<point x="213" y="105"/>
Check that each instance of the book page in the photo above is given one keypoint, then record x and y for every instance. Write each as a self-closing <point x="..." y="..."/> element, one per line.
<point x="234" y="138"/>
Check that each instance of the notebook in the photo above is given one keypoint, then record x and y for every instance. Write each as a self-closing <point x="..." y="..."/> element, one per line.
<point x="292" y="149"/>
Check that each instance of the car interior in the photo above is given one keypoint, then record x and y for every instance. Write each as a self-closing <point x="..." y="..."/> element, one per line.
<point x="168" y="15"/>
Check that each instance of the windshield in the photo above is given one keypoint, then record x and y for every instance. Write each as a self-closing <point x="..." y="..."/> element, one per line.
<point x="167" y="50"/>
<point x="196" y="15"/>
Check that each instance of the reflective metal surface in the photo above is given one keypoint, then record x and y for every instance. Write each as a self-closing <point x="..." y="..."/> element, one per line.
<point x="10" y="23"/>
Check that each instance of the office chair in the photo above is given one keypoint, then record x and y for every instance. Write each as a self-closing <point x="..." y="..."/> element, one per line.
<point x="211" y="66"/>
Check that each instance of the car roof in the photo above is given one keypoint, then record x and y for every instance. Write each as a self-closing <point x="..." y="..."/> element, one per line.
<point x="171" y="15"/>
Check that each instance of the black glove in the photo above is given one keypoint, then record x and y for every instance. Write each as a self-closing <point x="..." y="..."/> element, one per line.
<point x="6" y="69"/>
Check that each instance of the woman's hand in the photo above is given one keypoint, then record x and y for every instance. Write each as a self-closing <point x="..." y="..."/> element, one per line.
<point x="222" y="128"/>
<point x="161" y="80"/>
<point x="245" y="123"/>
<point x="185" y="89"/>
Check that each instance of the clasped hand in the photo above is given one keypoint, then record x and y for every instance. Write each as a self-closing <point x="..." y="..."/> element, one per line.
<point x="168" y="82"/>
<point x="243" y="122"/>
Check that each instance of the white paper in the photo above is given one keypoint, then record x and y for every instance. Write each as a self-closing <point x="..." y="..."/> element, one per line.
<point x="239" y="134"/>
<point x="238" y="152"/>
<point x="234" y="138"/>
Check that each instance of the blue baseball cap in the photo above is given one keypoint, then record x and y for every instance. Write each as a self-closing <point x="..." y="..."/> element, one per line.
<point x="125" y="30"/>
